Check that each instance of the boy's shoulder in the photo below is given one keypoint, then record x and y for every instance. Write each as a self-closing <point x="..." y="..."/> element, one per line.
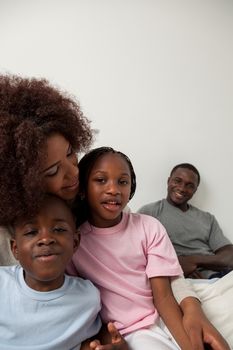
<point x="8" y="277"/>
<point x="9" y="270"/>
<point x="83" y="288"/>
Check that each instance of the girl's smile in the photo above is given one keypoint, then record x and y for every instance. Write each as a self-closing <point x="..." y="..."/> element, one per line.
<point x="111" y="205"/>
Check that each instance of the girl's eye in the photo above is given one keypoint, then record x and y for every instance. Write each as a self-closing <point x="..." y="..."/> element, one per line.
<point x="100" y="179"/>
<point x="123" y="182"/>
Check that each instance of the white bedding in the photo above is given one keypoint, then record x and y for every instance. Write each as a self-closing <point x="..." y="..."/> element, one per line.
<point x="217" y="301"/>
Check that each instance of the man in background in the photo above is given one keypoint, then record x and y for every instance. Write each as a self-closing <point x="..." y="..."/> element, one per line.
<point x="202" y="249"/>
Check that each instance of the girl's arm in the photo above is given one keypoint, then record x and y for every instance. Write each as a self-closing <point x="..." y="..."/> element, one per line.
<point x="170" y="311"/>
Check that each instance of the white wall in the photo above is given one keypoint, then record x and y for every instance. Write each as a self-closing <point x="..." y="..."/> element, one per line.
<point x="154" y="76"/>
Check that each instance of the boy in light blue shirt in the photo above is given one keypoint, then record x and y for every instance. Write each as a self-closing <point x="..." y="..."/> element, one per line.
<point x="41" y="307"/>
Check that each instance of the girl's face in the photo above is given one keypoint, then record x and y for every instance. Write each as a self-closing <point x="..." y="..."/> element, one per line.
<point x="108" y="190"/>
<point x="60" y="170"/>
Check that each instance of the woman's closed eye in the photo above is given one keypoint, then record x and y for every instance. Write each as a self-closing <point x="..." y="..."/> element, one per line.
<point x="52" y="171"/>
<point x="70" y="151"/>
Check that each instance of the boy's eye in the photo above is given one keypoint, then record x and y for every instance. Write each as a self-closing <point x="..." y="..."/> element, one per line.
<point x="59" y="229"/>
<point x="30" y="233"/>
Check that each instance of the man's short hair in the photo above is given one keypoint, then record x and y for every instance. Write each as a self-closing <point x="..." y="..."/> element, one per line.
<point x="187" y="166"/>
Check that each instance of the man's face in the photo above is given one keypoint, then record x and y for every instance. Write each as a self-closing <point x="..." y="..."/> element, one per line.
<point x="182" y="185"/>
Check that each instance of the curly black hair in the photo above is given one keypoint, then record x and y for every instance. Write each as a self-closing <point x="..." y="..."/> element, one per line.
<point x="30" y="111"/>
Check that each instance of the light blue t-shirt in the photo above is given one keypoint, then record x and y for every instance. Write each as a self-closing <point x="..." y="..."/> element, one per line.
<point x="56" y="320"/>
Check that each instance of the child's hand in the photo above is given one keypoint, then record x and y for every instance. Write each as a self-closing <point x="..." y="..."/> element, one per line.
<point x="117" y="341"/>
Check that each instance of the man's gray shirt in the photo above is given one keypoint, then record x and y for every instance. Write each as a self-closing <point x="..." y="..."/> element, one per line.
<point x="192" y="232"/>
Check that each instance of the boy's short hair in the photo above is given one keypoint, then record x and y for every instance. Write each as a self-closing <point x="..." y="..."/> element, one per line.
<point x="11" y="226"/>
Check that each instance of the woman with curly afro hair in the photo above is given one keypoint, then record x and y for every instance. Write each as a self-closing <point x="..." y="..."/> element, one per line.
<point x="41" y="130"/>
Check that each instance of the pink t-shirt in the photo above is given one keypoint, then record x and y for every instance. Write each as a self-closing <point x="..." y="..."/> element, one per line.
<point x="119" y="260"/>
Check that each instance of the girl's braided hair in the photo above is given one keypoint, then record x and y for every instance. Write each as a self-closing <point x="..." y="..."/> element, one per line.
<point x="80" y="207"/>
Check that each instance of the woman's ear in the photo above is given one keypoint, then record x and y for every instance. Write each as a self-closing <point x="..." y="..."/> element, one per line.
<point x="76" y="240"/>
<point x="14" y="248"/>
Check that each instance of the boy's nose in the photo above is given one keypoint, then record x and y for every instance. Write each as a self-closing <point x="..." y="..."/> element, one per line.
<point x="46" y="239"/>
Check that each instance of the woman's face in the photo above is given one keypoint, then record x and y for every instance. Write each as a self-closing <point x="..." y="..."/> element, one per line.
<point x="60" y="170"/>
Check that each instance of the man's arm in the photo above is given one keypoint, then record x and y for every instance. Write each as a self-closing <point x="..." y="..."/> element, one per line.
<point x="222" y="259"/>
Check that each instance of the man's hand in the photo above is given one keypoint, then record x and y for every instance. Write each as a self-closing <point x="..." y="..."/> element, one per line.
<point x="196" y="275"/>
<point x="204" y="332"/>
<point x="199" y="328"/>
<point x="221" y="260"/>
<point x="188" y="264"/>
<point x="117" y="341"/>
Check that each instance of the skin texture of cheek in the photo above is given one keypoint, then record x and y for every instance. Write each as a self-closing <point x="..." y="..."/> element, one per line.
<point x="64" y="192"/>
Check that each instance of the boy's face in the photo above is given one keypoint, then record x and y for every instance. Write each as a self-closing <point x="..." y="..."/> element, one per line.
<point x="45" y="244"/>
<point x="108" y="190"/>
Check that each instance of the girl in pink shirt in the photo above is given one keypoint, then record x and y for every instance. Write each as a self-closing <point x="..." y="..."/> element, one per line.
<point x="128" y="256"/>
